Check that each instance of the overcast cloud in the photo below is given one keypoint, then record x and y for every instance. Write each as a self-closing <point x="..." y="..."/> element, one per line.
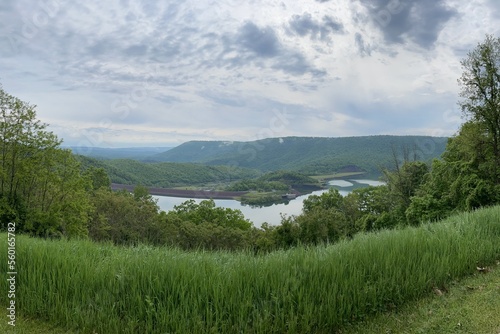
<point x="159" y="73"/>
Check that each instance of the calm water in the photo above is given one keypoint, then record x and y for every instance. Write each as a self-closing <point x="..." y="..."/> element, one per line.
<point x="270" y="214"/>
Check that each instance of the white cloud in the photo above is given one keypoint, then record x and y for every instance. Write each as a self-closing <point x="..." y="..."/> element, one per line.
<point x="151" y="72"/>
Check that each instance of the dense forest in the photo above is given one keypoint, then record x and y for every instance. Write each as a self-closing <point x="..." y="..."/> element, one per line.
<point x="50" y="192"/>
<point x="167" y="174"/>
<point x="308" y="155"/>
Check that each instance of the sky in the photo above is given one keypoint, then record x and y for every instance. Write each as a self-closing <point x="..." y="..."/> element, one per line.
<point x="123" y="73"/>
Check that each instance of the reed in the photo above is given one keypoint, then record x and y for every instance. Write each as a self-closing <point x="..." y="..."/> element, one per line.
<point x="107" y="289"/>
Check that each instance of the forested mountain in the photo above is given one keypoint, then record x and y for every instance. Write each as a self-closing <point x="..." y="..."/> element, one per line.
<point x="134" y="153"/>
<point x="311" y="155"/>
<point x="166" y="174"/>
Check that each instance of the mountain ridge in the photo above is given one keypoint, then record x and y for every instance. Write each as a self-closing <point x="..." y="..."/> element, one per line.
<point x="311" y="155"/>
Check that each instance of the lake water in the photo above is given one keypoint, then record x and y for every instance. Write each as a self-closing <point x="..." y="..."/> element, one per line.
<point x="270" y="214"/>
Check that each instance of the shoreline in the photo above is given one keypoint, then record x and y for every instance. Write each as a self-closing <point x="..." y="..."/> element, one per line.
<point x="170" y="192"/>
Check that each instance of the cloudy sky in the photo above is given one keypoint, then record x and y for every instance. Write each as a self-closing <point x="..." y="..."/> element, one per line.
<point x="159" y="73"/>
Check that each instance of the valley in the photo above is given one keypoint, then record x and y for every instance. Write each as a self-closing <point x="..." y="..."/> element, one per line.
<point x="262" y="172"/>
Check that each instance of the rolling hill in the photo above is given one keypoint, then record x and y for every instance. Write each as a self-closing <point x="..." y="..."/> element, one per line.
<point x="166" y="174"/>
<point x="310" y="155"/>
<point x="134" y="153"/>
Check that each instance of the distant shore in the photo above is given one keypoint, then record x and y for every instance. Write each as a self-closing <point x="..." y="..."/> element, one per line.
<point x="203" y="194"/>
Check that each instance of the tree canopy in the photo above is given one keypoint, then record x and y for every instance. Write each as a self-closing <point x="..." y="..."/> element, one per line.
<point x="480" y="83"/>
<point x="41" y="187"/>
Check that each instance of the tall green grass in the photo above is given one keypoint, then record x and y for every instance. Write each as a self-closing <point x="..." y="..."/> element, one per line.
<point x="108" y="289"/>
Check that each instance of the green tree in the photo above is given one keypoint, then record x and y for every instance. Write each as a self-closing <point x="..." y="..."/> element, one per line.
<point x="325" y="218"/>
<point x="41" y="186"/>
<point x="402" y="184"/>
<point x="98" y="177"/>
<point x="207" y="212"/>
<point x="288" y="233"/>
<point x="331" y="199"/>
<point x="126" y="218"/>
<point x="468" y="176"/>
<point x="191" y="226"/>
<point x="372" y="208"/>
<point x="480" y="83"/>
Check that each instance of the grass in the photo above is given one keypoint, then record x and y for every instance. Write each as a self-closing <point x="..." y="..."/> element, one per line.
<point x="107" y="289"/>
<point x="27" y="325"/>
<point x="471" y="305"/>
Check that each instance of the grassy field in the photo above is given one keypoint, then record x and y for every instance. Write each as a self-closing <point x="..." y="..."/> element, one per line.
<point x="471" y="305"/>
<point x="107" y="289"/>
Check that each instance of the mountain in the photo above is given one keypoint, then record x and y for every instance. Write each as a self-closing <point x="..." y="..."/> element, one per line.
<point x="134" y="153"/>
<point x="310" y="155"/>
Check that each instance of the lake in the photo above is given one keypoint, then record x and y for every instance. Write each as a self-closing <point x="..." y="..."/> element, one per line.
<point x="271" y="214"/>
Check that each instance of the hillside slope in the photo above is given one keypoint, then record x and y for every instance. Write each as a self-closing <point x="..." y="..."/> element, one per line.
<point x="311" y="155"/>
<point x="134" y="153"/>
<point x="166" y="174"/>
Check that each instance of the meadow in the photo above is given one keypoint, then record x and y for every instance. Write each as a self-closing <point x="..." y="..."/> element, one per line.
<point x="101" y="288"/>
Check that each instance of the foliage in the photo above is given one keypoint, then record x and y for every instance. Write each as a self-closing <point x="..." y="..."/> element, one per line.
<point x="288" y="177"/>
<point x="124" y="218"/>
<point x="480" y="84"/>
<point x="207" y="212"/>
<point x="168" y="174"/>
<point x="205" y="226"/>
<point x="468" y="177"/>
<point x="326" y="218"/>
<point x="106" y="289"/>
<point x="402" y="185"/>
<point x="261" y="198"/>
<point x="41" y="187"/>
<point x="258" y="185"/>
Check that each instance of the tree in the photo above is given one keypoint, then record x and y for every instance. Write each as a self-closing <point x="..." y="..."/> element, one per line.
<point x="468" y="176"/>
<point x="402" y="184"/>
<point x="98" y="177"/>
<point x="331" y="199"/>
<point x="125" y="218"/>
<point x="41" y="186"/>
<point x="372" y="208"/>
<point x="208" y="212"/>
<point x="480" y="84"/>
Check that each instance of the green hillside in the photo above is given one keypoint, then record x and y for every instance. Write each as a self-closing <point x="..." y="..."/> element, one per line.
<point x="135" y="153"/>
<point x="167" y="174"/>
<point x="311" y="155"/>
